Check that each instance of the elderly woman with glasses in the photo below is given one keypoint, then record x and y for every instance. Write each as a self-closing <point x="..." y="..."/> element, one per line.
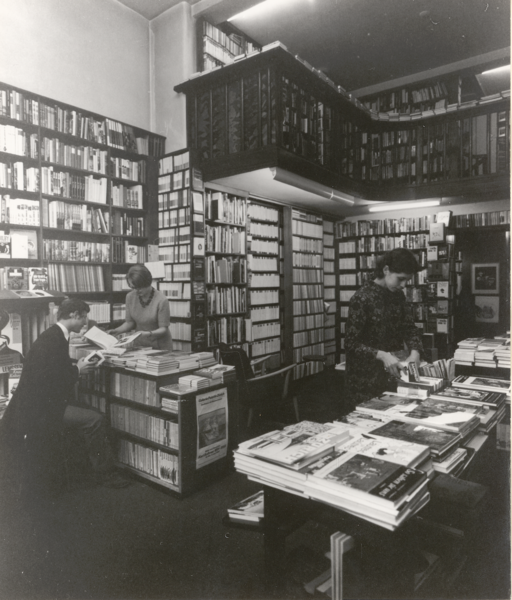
<point x="147" y="310"/>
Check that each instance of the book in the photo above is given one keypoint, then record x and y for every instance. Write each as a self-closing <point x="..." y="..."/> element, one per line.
<point x="5" y="246"/>
<point x="439" y="414"/>
<point x="488" y="384"/>
<point x="469" y="396"/>
<point x="369" y="479"/>
<point x="251" y="509"/>
<point x="17" y="278"/>
<point x="439" y="442"/>
<point x="108" y="342"/>
<point x="296" y="448"/>
<point x="408" y="454"/>
<point x="37" y="278"/>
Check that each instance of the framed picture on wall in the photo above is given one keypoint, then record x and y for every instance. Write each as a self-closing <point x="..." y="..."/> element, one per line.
<point x="485" y="278"/>
<point x="487" y="309"/>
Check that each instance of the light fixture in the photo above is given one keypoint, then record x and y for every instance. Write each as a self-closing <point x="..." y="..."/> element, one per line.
<point x="385" y="206"/>
<point x="308" y="185"/>
<point x="267" y="6"/>
<point x="497" y="70"/>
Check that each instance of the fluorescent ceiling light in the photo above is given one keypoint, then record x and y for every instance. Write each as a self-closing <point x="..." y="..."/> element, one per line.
<point x="310" y="186"/>
<point x="403" y="205"/>
<point x="266" y="7"/>
<point x="497" y="70"/>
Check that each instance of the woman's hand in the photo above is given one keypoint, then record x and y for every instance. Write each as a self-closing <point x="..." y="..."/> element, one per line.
<point x="390" y="362"/>
<point x="414" y="357"/>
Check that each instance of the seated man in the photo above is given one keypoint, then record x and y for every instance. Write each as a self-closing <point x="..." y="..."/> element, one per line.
<point x="39" y="412"/>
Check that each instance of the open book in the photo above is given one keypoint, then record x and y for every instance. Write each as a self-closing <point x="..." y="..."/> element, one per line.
<point x="108" y="342"/>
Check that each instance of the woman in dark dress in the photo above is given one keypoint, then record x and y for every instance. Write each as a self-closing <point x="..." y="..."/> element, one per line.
<point x="379" y="326"/>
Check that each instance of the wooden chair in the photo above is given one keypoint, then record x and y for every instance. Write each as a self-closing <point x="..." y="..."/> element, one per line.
<point x="255" y="386"/>
<point x="270" y="390"/>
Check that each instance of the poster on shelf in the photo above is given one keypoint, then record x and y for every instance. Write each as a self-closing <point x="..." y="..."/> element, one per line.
<point x="212" y="426"/>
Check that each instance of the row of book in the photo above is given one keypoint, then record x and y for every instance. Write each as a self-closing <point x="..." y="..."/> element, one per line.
<point x="19" y="211"/>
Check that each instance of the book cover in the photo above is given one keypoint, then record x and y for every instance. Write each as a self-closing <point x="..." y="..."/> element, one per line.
<point x="5" y="246"/>
<point x="17" y="278"/>
<point x="381" y="479"/>
<point x="481" y="397"/>
<point x="437" y="233"/>
<point x="489" y="384"/>
<point x="37" y="278"/>
<point x="437" y="440"/>
<point x="253" y="505"/>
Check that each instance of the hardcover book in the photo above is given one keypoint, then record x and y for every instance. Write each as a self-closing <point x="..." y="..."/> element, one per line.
<point x="489" y="384"/>
<point x="362" y="476"/>
<point x="438" y="441"/>
<point x="469" y="396"/>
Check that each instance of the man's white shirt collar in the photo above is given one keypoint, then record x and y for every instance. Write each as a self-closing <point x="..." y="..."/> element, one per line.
<point x="64" y="330"/>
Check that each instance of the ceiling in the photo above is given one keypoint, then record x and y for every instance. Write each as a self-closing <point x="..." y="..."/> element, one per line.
<point x="358" y="43"/>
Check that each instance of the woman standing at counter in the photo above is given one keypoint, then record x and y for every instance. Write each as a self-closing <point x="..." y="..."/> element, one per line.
<point x="380" y="332"/>
<point x="147" y="310"/>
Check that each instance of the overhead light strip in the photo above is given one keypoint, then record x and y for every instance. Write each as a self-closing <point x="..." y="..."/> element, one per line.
<point x="307" y="185"/>
<point x="403" y="205"/>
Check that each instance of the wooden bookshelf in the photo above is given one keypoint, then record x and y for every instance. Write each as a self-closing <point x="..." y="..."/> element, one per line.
<point x="79" y="186"/>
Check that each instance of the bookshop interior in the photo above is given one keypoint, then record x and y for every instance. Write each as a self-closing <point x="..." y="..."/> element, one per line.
<point x="254" y="299"/>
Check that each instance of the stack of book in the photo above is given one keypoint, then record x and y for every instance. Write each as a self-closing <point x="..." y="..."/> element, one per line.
<point x="218" y="373"/>
<point x="195" y="382"/>
<point x="250" y="510"/>
<point x="375" y="478"/>
<point x="158" y="364"/>
<point x="490" y="405"/>
<point x="502" y="355"/>
<point x="206" y="359"/>
<point x="465" y="352"/>
<point x="486" y="384"/>
<point x="428" y="412"/>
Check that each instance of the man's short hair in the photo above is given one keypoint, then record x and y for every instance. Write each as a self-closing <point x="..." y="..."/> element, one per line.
<point x="68" y="307"/>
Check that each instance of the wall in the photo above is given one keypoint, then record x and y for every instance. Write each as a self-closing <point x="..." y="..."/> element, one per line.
<point x="174" y="59"/>
<point x="93" y="54"/>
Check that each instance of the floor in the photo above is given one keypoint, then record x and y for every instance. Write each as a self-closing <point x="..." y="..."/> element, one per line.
<point x="97" y="543"/>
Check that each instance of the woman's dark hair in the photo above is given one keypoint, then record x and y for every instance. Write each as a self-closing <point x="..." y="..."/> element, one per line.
<point x="68" y="307"/>
<point x="399" y="260"/>
<point x="139" y="276"/>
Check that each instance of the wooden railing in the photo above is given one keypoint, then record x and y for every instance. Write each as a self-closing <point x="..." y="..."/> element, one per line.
<point x="272" y="109"/>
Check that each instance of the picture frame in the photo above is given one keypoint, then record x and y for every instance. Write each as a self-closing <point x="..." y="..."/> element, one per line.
<point x="485" y="278"/>
<point x="487" y="309"/>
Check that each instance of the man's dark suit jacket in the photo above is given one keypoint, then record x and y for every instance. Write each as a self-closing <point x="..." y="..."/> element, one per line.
<point x="33" y="419"/>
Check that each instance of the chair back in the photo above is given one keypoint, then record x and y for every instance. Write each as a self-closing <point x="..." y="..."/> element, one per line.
<point x="236" y="357"/>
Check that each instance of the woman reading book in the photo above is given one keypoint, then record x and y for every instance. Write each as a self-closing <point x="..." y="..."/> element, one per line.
<point x="147" y="311"/>
<point x="378" y="329"/>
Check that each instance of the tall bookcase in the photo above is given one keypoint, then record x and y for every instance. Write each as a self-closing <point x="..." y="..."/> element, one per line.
<point x="264" y="256"/>
<point x="77" y="191"/>
<point x="329" y="264"/>
<point x="307" y="236"/>
<point x="226" y="267"/>
<point x="181" y="248"/>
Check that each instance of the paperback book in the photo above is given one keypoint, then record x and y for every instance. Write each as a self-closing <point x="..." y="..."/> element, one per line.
<point x="488" y="384"/>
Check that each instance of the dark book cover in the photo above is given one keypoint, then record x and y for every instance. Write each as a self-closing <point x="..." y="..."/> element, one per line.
<point x="376" y="477"/>
<point x="436" y="439"/>
<point x="198" y="269"/>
